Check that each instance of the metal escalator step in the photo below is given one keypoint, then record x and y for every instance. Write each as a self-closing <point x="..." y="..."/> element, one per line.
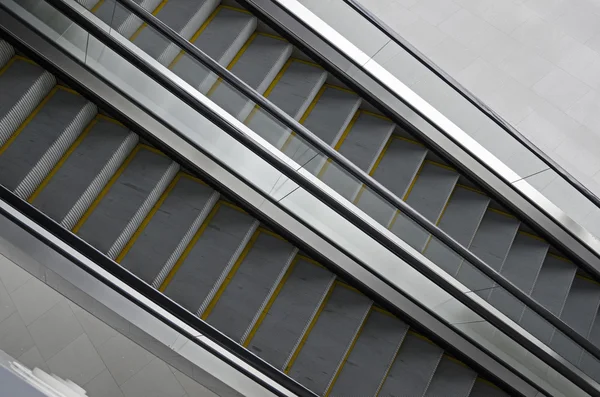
<point x="126" y="200"/>
<point x="23" y="86"/>
<point x="82" y="165"/>
<point x="292" y="91"/>
<point x="215" y="247"/>
<point x="521" y="267"/>
<point x="491" y="244"/>
<point x="264" y="262"/>
<point x="398" y="164"/>
<point x="88" y="4"/>
<point x="327" y="117"/>
<point x="579" y="312"/>
<point x="221" y="37"/>
<point x="483" y="388"/>
<point x="319" y="355"/>
<point x="33" y="150"/>
<point x="6" y="52"/>
<point x="184" y="17"/>
<point x="175" y="218"/>
<point x="413" y="367"/>
<point x="550" y="290"/>
<point x="451" y="379"/>
<point x="371" y="356"/>
<point x="460" y="220"/>
<point x="119" y="18"/>
<point x="257" y="63"/>
<point x="429" y="195"/>
<point x="362" y="142"/>
<point x="289" y="311"/>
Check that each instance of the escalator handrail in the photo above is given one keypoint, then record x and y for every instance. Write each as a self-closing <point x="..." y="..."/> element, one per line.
<point x="472" y="99"/>
<point x="358" y="173"/>
<point x="565" y="368"/>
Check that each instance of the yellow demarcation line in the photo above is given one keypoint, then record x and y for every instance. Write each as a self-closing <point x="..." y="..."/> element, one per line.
<point x="455" y="360"/>
<point x="460" y="185"/>
<point x="506" y="214"/>
<point x="62" y="160"/>
<point x="346" y="355"/>
<point x="418" y="335"/>
<point x="562" y="258"/>
<point x="148" y="218"/>
<point x="313" y="321"/>
<point x="389" y="368"/>
<point x="109" y="119"/>
<point x="12" y="60"/>
<point x="270" y="302"/>
<point x="408" y="191"/>
<point x="97" y="6"/>
<point x="338" y="145"/>
<point x="155" y="13"/>
<point x="533" y="236"/>
<point x="29" y="119"/>
<point x="586" y="278"/>
<point x="231" y="274"/>
<point x="106" y="189"/>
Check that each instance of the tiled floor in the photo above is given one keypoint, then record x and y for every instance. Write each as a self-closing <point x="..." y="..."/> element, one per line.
<point x="41" y="328"/>
<point x="534" y="62"/>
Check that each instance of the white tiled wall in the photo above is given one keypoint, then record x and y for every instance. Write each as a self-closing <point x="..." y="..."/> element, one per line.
<point x="534" y="62"/>
<point x="41" y="328"/>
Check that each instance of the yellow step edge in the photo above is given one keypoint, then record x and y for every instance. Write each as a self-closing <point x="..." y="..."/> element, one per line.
<point x="273" y="36"/>
<point x="109" y="119"/>
<point x="234" y="206"/>
<point x="196" y="35"/>
<point x="193" y="178"/>
<point x="144" y="25"/>
<point x="383" y="311"/>
<point x="28" y="120"/>
<point x="413" y="182"/>
<point x="310" y="260"/>
<point x="418" y="335"/>
<point x="454" y="359"/>
<point x="271" y="233"/>
<point x="232" y="63"/>
<point x="497" y="211"/>
<point x="67" y="89"/>
<point x="337" y="87"/>
<point x="339" y="143"/>
<point x="377" y="115"/>
<point x="148" y="218"/>
<point x="472" y="189"/>
<point x="97" y="6"/>
<point x="62" y="161"/>
<point x="438" y="164"/>
<point x="343" y="284"/>
<point x="438" y="220"/>
<point x="235" y="9"/>
<point x="390" y="366"/>
<point x="586" y="278"/>
<point x="310" y="63"/>
<point x="231" y="274"/>
<point x="346" y="355"/>
<point x="403" y="138"/>
<point x="533" y="236"/>
<point x="269" y="304"/>
<point x="105" y="190"/>
<point x="562" y="258"/>
<point x="311" y="325"/>
<point x="190" y="246"/>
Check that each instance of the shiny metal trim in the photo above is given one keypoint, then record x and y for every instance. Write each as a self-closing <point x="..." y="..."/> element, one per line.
<point x="232" y="126"/>
<point x="356" y="172"/>
<point x="364" y="75"/>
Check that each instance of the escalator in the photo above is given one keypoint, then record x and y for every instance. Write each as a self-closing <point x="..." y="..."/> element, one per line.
<point x="271" y="65"/>
<point x="125" y="197"/>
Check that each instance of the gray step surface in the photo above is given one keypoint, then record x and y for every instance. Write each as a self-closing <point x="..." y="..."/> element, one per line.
<point x="397" y="168"/>
<point x="6" y="52"/>
<point x="257" y="64"/>
<point x="491" y="243"/>
<point x="292" y="92"/>
<point x="429" y="196"/>
<point x="482" y="388"/>
<point x="221" y="37"/>
<point x="327" y="118"/>
<point x="521" y="267"/>
<point x="451" y="379"/>
<point x="413" y="368"/>
<point x="460" y="220"/>
<point x="177" y="212"/>
<point x="222" y="236"/>
<point x="364" y="139"/>
<point x="291" y="310"/>
<point x="78" y="171"/>
<point x="61" y="117"/>
<point x="24" y="86"/>
<point x="108" y="217"/>
<point x="371" y="356"/>
<point x="550" y="290"/>
<point x="184" y="17"/>
<point x="248" y="286"/>
<point x="330" y="338"/>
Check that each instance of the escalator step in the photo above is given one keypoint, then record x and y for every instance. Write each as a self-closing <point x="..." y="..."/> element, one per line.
<point x="451" y="379"/>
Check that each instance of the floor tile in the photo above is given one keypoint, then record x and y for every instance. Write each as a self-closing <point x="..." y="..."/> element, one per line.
<point x="506" y="16"/>
<point x="154" y="380"/>
<point x="561" y="89"/>
<point x="7" y="306"/>
<point x="469" y="30"/>
<point x="435" y="11"/>
<point x="538" y="33"/>
<point x="579" y="23"/>
<point x="587" y="110"/>
<point x="103" y="385"/>
<point x="11" y="274"/>
<point x="191" y="387"/>
<point x="123" y="358"/>
<point x="14" y="336"/>
<point x="96" y="330"/>
<point x="55" y="329"/>
<point x="78" y="362"/>
<point x="32" y="359"/>
<point x="33" y="299"/>
<point x="526" y="67"/>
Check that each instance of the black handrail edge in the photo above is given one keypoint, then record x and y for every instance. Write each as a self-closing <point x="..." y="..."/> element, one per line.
<point x="483" y="370"/>
<point x="471" y="98"/>
<point x="363" y="177"/>
<point x="566" y="369"/>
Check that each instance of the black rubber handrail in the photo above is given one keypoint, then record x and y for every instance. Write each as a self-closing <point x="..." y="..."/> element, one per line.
<point x="282" y="166"/>
<point x="472" y="99"/>
<point x="358" y="173"/>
